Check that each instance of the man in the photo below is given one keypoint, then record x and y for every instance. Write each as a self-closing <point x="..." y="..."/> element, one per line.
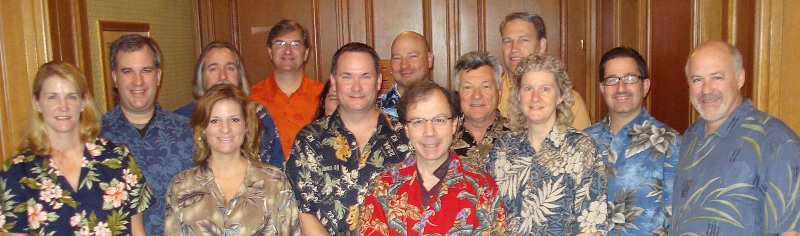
<point x="159" y="140"/>
<point x="640" y="152"/>
<point x="524" y="34"/>
<point x="334" y="158"/>
<point x="220" y="62"/>
<point x="477" y="80"/>
<point x="289" y="94"/>
<point x="739" y="169"/>
<point x="412" y="61"/>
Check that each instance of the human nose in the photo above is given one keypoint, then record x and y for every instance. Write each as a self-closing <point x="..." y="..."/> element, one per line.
<point x="357" y="87"/>
<point x="224" y="127"/>
<point x="428" y="128"/>
<point x="477" y="94"/>
<point x="515" y="46"/>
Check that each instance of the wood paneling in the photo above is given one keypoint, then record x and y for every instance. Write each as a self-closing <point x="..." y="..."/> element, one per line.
<point x="70" y="34"/>
<point x="669" y="48"/>
<point x="24" y="45"/>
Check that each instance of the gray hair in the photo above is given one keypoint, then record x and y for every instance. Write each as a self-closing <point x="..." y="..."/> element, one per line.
<point x="474" y="60"/>
<point x="197" y="85"/>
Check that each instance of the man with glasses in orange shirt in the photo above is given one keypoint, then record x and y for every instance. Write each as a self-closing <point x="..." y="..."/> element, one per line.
<point x="288" y="88"/>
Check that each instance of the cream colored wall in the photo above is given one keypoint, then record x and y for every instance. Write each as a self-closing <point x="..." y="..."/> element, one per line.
<point x="171" y="25"/>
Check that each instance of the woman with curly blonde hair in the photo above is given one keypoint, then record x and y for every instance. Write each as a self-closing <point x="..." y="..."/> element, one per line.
<point x="549" y="176"/>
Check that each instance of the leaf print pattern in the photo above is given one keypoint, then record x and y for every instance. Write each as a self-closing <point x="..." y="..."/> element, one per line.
<point x="474" y="152"/>
<point x="741" y="179"/>
<point x="638" y="158"/>
<point x="546" y="191"/>
<point x="329" y="175"/>
<point x="467" y="203"/>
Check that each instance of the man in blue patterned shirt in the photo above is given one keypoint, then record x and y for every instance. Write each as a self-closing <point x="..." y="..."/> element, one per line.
<point x="640" y="152"/>
<point x="412" y="61"/>
<point x="739" y="170"/>
<point x="159" y="140"/>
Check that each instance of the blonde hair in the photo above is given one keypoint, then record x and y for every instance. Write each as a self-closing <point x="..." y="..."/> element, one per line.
<point x="202" y="114"/>
<point x="541" y="63"/>
<point x="36" y="138"/>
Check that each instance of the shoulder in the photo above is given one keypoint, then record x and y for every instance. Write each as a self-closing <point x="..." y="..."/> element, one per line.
<point x="173" y="118"/>
<point x="186" y="110"/>
<point x="260" y="86"/>
<point x="661" y="125"/>
<point x="594" y="129"/>
<point x="578" y="138"/>
<point x="268" y="172"/>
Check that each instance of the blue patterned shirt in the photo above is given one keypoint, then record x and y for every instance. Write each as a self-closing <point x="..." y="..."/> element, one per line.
<point x="271" y="151"/>
<point x="640" y="162"/>
<point x="165" y="150"/>
<point x="388" y="101"/>
<point x="559" y="190"/>
<point x="743" y="179"/>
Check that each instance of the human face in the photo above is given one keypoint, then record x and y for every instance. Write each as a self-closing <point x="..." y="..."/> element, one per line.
<point x="356" y="82"/>
<point x="288" y="58"/>
<point x="220" y="67"/>
<point x="519" y="41"/>
<point x="331" y="101"/>
<point x="411" y="60"/>
<point x="714" y="84"/>
<point x="431" y="142"/>
<point x="478" y="93"/>
<point x="137" y="80"/>
<point x="624" y="99"/>
<point x="226" y="128"/>
<point x="60" y="105"/>
<point x="538" y="97"/>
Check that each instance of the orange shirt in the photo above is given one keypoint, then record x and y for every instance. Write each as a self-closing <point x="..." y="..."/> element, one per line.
<point x="290" y="112"/>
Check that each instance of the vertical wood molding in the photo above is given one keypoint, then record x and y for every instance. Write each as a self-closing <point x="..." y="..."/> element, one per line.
<point x="315" y="31"/>
<point x="343" y="21"/>
<point x="234" y="23"/>
<point x="481" y="25"/>
<point x="369" y="22"/>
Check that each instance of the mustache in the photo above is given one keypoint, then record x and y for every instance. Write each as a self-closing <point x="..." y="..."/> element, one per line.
<point x="709" y="97"/>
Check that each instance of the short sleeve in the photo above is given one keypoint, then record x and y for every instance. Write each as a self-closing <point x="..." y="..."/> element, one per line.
<point x="782" y="188"/>
<point x="13" y="196"/>
<point x="373" y="218"/>
<point x="592" y="188"/>
<point x="141" y="197"/>
<point x="298" y="175"/>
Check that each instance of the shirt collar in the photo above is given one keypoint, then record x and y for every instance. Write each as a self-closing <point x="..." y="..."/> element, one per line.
<point x="385" y="124"/>
<point x="638" y="120"/>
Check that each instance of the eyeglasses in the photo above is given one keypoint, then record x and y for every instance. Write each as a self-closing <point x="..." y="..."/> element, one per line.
<point x="293" y="44"/>
<point x="439" y="121"/>
<point x="628" y="79"/>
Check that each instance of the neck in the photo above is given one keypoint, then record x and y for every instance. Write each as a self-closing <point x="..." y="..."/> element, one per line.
<point x="713" y="126"/>
<point x="289" y="81"/>
<point x="226" y="164"/>
<point x="139" y="117"/>
<point x="66" y="143"/>
<point x="619" y="120"/>
<point x="478" y="127"/>
<point x="400" y="89"/>
<point x="359" y="119"/>
<point x="538" y="132"/>
<point x="427" y="167"/>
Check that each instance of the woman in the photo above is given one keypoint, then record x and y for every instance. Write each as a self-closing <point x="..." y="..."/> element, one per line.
<point x="328" y="102"/>
<point x="550" y="179"/>
<point x="229" y="190"/>
<point x="66" y="180"/>
<point x="432" y="193"/>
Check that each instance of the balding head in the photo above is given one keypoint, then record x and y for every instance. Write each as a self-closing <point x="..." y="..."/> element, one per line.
<point x="715" y="75"/>
<point x="412" y="59"/>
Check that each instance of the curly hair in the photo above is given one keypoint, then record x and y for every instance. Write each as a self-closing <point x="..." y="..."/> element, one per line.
<point x="202" y="114"/>
<point x="541" y="63"/>
<point x="36" y="138"/>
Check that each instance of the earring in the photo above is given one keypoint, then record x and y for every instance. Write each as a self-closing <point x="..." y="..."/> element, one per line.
<point x="81" y="109"/>
<point x="40" y="110"/>
<point x="199" y="138"/>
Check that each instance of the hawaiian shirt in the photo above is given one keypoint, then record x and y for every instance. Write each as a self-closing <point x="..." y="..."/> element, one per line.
<point x="743" y="179"/>
<point x="474" y="152"/>
<point x="466" y="204"/>
<point x="640" y="162"/>
<point x="330" y="175"/>
<point x="165" y="150"/>
<point x="270" y="151"/>
<point x="388" y="101"/>
<point x="263" y="205"/>
<point x="37" y="200"/>
<point x="559" y="190"/>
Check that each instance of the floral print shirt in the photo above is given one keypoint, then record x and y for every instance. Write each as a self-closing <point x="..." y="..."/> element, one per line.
<point x="640" y="162"/>
<point x="271" y="151"/>
<point x="330" y="175"/>
<point x="466" y="204"/>
<point x="474" y="152"/>
<point x="165" y="150"/>
<point x="743" y="179"/>
<point x="263" y="205"/>
<point x="559" y="190"/>
<point x="37" y="200"/>
<point x="388" y="101"/>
